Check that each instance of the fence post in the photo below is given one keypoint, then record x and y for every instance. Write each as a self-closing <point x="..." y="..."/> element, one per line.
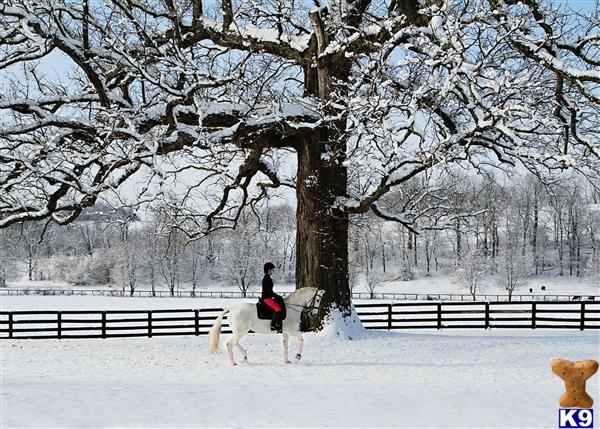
<point x="104" y="324"/>
<point x="533" y="315"/>
<point x="389" y="316"/>
<point x="150" y="324"/>
<point x="59" y="324"/>
<point x="439" y="315"/>
<point x="10" y="325"/>
<point x="582" y="321"/>
<point x="197" y="321"/>
<point x="487" y="315"/>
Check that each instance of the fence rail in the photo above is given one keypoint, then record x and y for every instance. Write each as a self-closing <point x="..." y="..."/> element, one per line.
<point x="486" y="315"/>
<point x="355" y="295"/>
<point x="418" y="315"/>
<point x="107" y="324"/>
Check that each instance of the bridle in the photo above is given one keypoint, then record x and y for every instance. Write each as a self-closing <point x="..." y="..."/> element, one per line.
<point x="310" y="306"/>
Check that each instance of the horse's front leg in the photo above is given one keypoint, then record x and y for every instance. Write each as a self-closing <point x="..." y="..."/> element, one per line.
<point x="286" y="339"/>
<point x="300" y="339"/>
<point x="300" y="348"/>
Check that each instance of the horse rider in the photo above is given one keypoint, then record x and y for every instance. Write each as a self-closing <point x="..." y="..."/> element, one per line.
<point x="271" y="299"/>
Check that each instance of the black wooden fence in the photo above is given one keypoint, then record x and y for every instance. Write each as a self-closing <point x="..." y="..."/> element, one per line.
<point x="394" y="296"/>
<point x="486" y="315"/>
<point x="107" y="324"/>
<point x="419" y="315"/>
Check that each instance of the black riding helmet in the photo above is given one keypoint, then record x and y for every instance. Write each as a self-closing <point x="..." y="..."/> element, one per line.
<point x="269" y="266"/>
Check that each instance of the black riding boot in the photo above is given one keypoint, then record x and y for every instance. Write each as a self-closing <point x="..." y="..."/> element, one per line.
<point x="276" y="324"/>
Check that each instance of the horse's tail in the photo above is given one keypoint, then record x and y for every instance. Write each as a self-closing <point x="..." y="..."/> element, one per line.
<point x="214" y="335"/>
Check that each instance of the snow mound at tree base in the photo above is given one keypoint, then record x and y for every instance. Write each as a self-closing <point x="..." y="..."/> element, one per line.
<point x="338" y="326"/>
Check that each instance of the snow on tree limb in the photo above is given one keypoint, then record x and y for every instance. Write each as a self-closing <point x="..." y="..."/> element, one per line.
<point x="395" y="91"/>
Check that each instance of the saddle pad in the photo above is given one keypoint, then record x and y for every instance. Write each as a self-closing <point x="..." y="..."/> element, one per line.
<point x="263" y="311"/>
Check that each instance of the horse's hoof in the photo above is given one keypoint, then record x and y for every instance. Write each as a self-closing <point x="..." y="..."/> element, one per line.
<point x="287" y="361"/>
<point x="298" y="357"/>
<point x="245" y="360"/>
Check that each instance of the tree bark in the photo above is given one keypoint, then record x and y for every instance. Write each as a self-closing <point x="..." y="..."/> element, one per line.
<point x="458" y="239"/>
<point x="427" y="258"/>
<point x="415" y="250"/>
<point x="383" y="257"/>
<point x="322" y="229"/>
<point x="534" y="234"/>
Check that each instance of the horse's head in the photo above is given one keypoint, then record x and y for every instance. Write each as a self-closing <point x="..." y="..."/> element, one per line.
<point x="316" y="303"/>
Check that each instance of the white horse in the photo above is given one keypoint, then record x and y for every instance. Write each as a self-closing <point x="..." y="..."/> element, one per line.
<point x="243" y="318"/>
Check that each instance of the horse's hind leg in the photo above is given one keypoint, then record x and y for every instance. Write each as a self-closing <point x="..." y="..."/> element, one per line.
<point x="243" y="352"/>
<point x="233" y="342"/>
<point x="230" y="354"/>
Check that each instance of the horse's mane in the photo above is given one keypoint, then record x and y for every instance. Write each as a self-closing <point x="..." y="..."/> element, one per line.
<point x="299" y="292"/>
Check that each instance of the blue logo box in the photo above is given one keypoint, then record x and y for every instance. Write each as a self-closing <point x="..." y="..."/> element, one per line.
<point x="575" y="418"/>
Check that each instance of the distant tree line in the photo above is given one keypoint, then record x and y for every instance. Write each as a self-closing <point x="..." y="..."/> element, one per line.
<point x="125" y="252"/>
<point x="510" y="230"/>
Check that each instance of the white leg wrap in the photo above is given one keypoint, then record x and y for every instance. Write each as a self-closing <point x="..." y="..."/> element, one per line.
<point x="242" y="350"/>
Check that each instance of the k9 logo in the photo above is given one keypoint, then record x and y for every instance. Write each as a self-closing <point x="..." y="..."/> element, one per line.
<point x="575" y="418"/>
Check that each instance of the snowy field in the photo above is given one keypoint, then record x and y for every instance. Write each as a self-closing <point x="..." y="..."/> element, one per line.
<point x="475" y="378"/>
<point x="36" y="302"/>
<point x="407" y="379"/>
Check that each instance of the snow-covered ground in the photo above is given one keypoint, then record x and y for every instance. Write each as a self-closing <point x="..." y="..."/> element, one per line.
<point x="408" y="379"/>
<point x="475" y="378"/>
<point x="37" y="302"/>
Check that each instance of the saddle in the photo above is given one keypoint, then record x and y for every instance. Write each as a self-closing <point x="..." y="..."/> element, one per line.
<point x="264" y="312"/>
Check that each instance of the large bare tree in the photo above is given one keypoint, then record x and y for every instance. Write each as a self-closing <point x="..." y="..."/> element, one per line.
<point x="214" y="98"/>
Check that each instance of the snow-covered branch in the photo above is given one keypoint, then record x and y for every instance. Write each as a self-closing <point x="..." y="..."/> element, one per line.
<point x="377" y="95"/>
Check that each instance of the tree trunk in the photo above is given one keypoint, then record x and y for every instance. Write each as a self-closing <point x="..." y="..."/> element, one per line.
<point x="574" y="246"/>
<point x="578" y="257"/>
<point x="322" y="229"/>
<point x="496" y="240"/>
<point x="427" y="257"/>
<point x="152" y="280"/>
<point x="534" y="234"/>
<point x="458" y="240"/>
<point x="435" y="251"/>
<point x="485" y="241"/>
<point x="561" y="250"/>
<point x="383" y="257"/>
<point x="30" y="268"/>
<point x="570" y="240"/>
<point x="415" y="250"/>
